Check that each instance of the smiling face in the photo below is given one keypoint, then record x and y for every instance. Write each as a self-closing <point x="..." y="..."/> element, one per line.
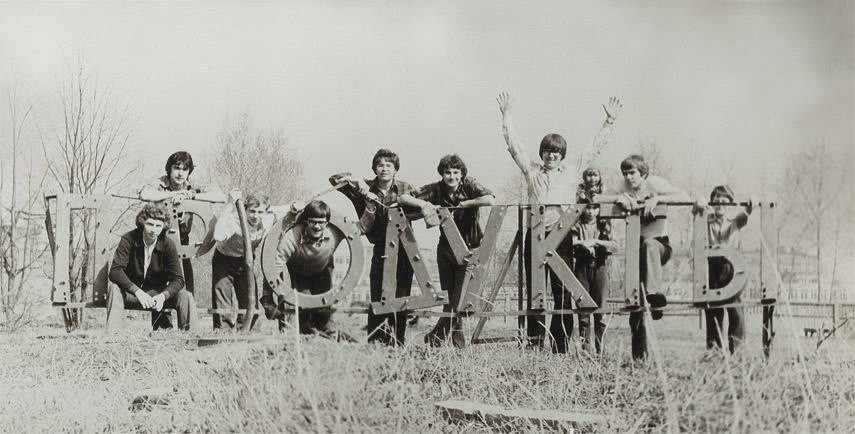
<point x="151" y="230"/>
<point x="254" y="214"/>
<point x="315" y="227"/>
<point x="551" y="159"/>
<point x="633" y="178"/>
<point x="451" y="178"/>
<point x="592" y="178"/>
<point x="385" y="170"/>
<point x="178" y="174"/>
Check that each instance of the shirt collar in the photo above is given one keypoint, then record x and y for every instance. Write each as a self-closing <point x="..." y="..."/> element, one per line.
<point x="560" y="169"/>
<point x="719" y="220"/>
<point x="158" y="245"/>
<point x="167" y="185"/>
<point x="375" y="185"/>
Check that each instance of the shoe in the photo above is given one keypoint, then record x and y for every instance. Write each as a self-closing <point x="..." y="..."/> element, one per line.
<point x="458" y="339"/>
<point x="656" y="300"/>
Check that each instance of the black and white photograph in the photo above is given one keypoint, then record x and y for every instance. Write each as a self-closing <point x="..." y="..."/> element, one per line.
<point x="427" y="216"/>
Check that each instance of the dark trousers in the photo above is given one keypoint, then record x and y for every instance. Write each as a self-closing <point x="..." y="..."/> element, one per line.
<point x="560" y="326"/>
<point x="653" y="248"/>
<point x="595" y="279"/>
<point x="312" y="321"/>
<point x="451" y="277"/>
<point x="186" y="265"/>
<point x="228" y="274"/>
<point x="721" y="272"/>
<point x="182" y="302"/>
<point x="164" y="319"/>
<point x="390" y="328"/>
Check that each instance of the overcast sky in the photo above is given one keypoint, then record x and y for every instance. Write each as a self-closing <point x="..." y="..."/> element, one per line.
<point x="719" y="84"/>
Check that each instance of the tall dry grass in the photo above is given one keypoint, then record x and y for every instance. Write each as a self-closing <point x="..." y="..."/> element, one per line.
<point x="285" y="384"/>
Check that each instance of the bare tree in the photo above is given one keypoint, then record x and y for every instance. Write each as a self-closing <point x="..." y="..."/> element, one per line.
<point x="814" y="180"/>
<point x="86" y="153"/>
<point x="257" y="161"/>
<point x="21" y="227"/>
<point x="655" y="157"/>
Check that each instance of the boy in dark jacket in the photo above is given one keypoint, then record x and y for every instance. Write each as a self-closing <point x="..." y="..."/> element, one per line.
<point x="147" y="272"/>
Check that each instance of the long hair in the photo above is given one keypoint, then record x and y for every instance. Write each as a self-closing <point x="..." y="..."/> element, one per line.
<point x="156" y="212"/>
<point x="179" y="158"/>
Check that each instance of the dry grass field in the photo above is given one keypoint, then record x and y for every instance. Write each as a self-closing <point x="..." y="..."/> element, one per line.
<point x="87" y="381"/>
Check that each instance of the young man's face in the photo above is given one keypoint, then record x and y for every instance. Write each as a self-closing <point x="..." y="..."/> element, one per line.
<point x="178" y="174"/>
<point x="451" y="178"/>
<point x="551" y="159"/>
<point x="385" y="170"/>
<point x="592" y="178"/>
<point x="633" y="178"/>
<point x="152" y="229"/>
<point x="718" y="209"/>
<point x="254" y="214"/>
<point x="315" y="227"/>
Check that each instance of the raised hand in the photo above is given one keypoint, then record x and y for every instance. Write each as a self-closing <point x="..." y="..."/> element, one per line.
<point x="234" y="195"/>
<point x="504" y="100"/>
<point x="612" y="109"/>
<point x="297" y="206"/>
<point x="699" y="206"/>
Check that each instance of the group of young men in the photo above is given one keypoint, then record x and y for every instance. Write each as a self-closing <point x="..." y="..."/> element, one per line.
<point x="148" y="273"/>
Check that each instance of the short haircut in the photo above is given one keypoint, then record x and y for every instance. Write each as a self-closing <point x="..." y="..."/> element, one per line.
<point x="316" y="209"/>
<point x="722" y="190"/>
<point x="385" y="154"/>
<point x="255" y="201"/>
<point x="635" y="161"/>
<point x="153" y="211"/>
<point x="452" y="161"/>
<point x="553" y="143"/>
<point x="178" y="158"/>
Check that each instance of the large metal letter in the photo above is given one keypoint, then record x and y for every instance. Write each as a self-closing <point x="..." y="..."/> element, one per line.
<point x="702" y="293"/>
<point x="544" y="253"/>
<point x="399" y="232"/>
<point x="470" y="293"/>
<point x="280" y="280"/>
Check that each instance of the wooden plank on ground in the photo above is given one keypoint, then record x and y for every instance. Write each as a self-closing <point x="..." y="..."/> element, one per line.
<point x="494" y="415"/>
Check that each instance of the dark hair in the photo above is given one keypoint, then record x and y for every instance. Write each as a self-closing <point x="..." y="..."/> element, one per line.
<point x="553" y="143"/>
<point x="452" y="161"/>
<point x="635" y="161"/>
<point x="253" y="201"/>
<point x="316" y="209"/>
<point x="385" y="154"/>
<point x="722" y="190"/>
<point x="156" y="212"/>
<point x="178" y="158"/>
